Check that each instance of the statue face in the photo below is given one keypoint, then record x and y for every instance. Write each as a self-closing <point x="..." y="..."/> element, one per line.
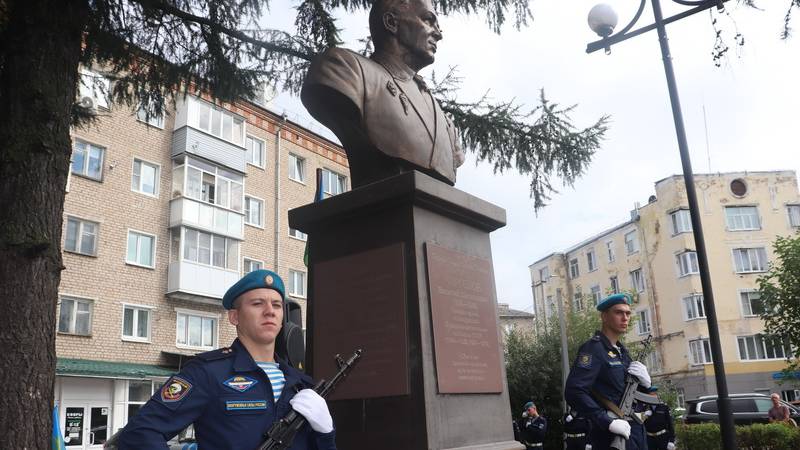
<point x="418" y="31"/>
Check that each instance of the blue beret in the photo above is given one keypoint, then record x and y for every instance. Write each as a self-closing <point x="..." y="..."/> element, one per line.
<point x="256" y="279"/>
<point x="652" y="389"/>
<point x="611" y="300"/>
<point x="529" y="405"/>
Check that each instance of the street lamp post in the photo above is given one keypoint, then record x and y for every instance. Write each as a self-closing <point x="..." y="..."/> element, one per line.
<point x="603" y="20"/>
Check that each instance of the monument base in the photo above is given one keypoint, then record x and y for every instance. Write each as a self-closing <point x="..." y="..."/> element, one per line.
<point x="402" y="269"/>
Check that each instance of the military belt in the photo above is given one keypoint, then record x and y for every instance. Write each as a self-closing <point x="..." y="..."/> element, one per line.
<point x="574" y="435"/>
<point x="657" y="433"/>
<point x="533" y="444"/>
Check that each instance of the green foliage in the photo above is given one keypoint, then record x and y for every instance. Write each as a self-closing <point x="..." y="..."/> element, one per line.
<point x="780" y="292"/>
<point x="751" y="437"/>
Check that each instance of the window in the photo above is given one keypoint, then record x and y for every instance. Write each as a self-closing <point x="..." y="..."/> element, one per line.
<point x="700" y="351"/>
<point x="333" y="183"/>
<point x="75" y="316"/>
<point x="156" y="118"/>
<point x="196" y="330"/>
<point x="750" y="259"/>
<point x="687" y="263"/>
<point x="643" y="324"/>
<point x="87" y="160"/>
<point x="215" y="185"/>
<point x="136" y="323"/>
<point x="145" y="177"/>
<point x="549" y="306"/>
<point x="255" y="151"/>
<point x="596" y="295"/>
<point x="251" y="265"/>
<point x="139" y="392"/>
<point x="739" y="218"/>
<point x="297" y="168"/>
<point x="297" y="283"/>
<point x="794" y="215"/>
<point x="217" y="122"/>
<point x="253" y="211"/>
<point x="681" y="221"/>
<point x="610" y="251"/>
<point x="81" y="236"/>
<point x="211" y="249"/>
<point x="653" y="362"/>
<point x="637" y="281"/>
<point x="574" y="271"/>
<point x="693" y="307"/>
<point x="738" y="187"/>
<point x="614" y="285"/>
<point x="790" y="395"/>
<point x="94" y="86"/>
<point x="631" y="242"/>
<point x="297" y="234"/>
<point x="751" y="303"/>
<point x="681" y="397"/>
<point x="591" y="260"/>
<point x="760" y="347"/>
<point x="141" y="249"/>
<point x="577" y="301"/>
<point x="544" y="274"/>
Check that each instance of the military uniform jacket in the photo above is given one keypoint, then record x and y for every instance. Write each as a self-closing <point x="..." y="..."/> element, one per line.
<point x="660" y="420"/>
<point x="230" y="401"/>
<point x="394" y="118"/>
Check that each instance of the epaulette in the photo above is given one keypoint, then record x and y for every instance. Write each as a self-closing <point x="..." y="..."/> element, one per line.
<point x="596" y="337"/>
<point x="213" y="355"/>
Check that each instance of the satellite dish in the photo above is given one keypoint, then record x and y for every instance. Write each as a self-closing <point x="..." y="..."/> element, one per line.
<point x="88" y="102"/>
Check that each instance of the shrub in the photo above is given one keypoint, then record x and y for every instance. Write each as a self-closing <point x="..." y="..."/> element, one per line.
<point x="706" y="436"/>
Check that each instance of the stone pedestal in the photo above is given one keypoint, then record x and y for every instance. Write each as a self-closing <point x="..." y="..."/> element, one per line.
<point x="402" y="269"/>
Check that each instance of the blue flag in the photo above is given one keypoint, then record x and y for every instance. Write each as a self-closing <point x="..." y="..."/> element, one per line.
<point x="318" y="196"/>
<point x="58" y="438"/>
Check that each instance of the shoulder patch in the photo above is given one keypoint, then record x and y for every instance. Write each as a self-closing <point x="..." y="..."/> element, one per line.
<point x="213" y="355"/>
<point x="175" y="389"/>
<point x="584" y="360"/>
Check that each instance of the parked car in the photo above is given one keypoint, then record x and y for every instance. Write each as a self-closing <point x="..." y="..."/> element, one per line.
<point x="747" y="409"/>
<point x="183" y="441"/>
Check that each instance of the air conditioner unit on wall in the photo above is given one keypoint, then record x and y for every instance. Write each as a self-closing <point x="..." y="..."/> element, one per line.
<point x="88" y="103"/>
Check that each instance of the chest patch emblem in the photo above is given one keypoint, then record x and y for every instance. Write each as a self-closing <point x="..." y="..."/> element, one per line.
<point x="239" y="383"/>
<point x="615" y="363"/>
<point x="238" y="405"/>
<point x="175" y="389"/>
<point x="612" y="354"/>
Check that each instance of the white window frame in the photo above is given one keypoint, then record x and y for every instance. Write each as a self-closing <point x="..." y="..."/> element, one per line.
<point x="156" y="181"/>
<point x="577" y="301"/>
<point x="80" y="233"/>
<point x="219" y="175"/>
<point x="544" y="274"/>
<point x="212" y="237"/>
<point x="643" y="325"/>
<point x="332" y="178"/>
<point x="693" y="307"/>
<point x="749" y="301"/>
<point x="85" y="169"/>
<point x="154" y="120"/>
<point x="637" y="282"/>
<point x="793" y="215"/>
<point x="653" y="362"/>
<point x="220" y="114"/>
<point x="750" y="251"/>
<point x="297" y="168"/>
<point x="611" y="254"/>
<point x="614" y="282"/>
<point x="249" y="151"/>
<point x="247" y="211"/>
<point x="687" y="263"/>
<point x="681" y="221"/>
<point x="591" y="260"/>
<point x="596" y="293"/>
<point x="246" y="260"/>
<point x="128" y="400"/>
<point x="735" y="220"/>
<point x="297" y="234"/>
<point x="137" y="309"/>
<point x="74" y="315"/>
<point x="574" y="269"/>
<point x="632" y="244"/>
<point x="201" y="314"/>
<point x="759" y="342"/>
<point x="292" y="288"/>
<point x="153" y="250"/>
<point x="701" y="345"/>
<point x="89" y="82"/>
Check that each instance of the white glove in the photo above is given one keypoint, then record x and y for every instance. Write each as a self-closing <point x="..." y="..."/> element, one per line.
<point x="671" y="446"/>
<point x="638" y="370"/>
<point x="620" y="427"/>
<point x="313" y="407"/>
<point x="588" y="446"/>
<point x="568" y="419"/>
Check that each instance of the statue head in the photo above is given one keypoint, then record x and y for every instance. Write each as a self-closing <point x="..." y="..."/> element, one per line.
<point x="409" y="29"/>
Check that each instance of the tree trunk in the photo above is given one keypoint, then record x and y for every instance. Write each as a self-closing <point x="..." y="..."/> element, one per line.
<point x="40" y="45"/>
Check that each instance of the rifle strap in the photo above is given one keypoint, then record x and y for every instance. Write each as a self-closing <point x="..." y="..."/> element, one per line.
<point x="608" y="404"/>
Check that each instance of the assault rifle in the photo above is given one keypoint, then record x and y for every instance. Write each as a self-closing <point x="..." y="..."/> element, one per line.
<point x="282" y="433"/>
<point x="624" y="410"/>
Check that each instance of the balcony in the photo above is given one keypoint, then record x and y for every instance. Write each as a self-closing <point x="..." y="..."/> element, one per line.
<point x="192" y="213"/>
<point x="199" y="282"/>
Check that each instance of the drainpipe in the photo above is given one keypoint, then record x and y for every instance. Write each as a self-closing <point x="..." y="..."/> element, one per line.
<point x="277" y="200"/>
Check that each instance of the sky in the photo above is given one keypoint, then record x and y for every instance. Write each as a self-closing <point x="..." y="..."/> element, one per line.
<point x="740" y="116"/>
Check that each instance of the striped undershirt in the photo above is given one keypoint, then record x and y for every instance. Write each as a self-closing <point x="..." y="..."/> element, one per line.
<point x="276" y="378"/>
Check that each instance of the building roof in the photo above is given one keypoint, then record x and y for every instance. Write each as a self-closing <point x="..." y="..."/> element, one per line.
<point x="108" y="369"/>
<point x="738" y="172"/>
<point x="504" y="311"/>
<point x="598" y="236"/>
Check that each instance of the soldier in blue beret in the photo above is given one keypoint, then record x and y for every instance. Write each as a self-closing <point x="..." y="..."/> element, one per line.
<point x="234" y="394"/>
<point x="599" y="371"/>
<point x="532" y="427"/>
<point x="659" y="426"/>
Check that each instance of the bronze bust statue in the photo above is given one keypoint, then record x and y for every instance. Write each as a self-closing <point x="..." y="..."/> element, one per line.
<point x="378" y="107"/>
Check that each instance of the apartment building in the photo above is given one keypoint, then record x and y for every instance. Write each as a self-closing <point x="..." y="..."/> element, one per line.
<point x="653" y="255"/>
<point x="513" y="319"/>
<point x="162" y="215"/>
